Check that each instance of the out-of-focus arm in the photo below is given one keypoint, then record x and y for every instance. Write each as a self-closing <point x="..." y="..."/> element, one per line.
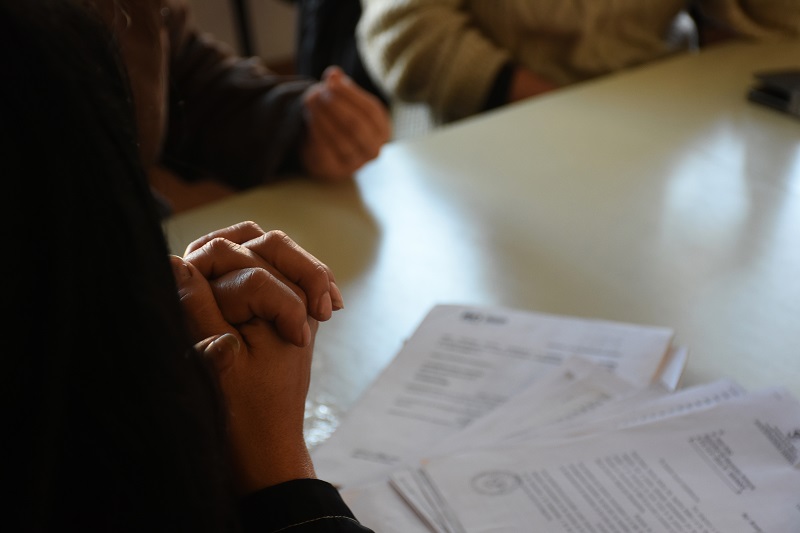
<point x="428" y="51"/>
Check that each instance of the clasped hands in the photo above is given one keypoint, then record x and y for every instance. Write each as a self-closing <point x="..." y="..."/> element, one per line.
<point x="253" y="300"/>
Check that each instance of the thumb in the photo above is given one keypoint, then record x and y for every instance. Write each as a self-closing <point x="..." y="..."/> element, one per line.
<point x="203" y="316"/>
<point x="220" y="350"/>
<point x="334" y="76"/>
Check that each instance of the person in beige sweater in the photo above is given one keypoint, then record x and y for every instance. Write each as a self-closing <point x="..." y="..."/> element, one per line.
<point x="461" y="57"/>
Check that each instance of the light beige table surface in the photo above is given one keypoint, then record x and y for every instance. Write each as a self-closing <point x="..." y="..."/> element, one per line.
<point x="656" y="196"/>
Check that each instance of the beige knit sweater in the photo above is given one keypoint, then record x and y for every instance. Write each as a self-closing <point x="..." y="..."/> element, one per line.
<point x="447" y="53"/>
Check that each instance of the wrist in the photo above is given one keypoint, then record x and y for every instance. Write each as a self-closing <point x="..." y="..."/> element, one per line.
<point x="273" y="467"/>
<point x="525" y="84"/>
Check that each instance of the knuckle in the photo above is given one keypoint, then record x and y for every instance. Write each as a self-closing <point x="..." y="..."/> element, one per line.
<point x="279" y="237"/>
<point x="256" y="279"/>
<point x="218" y="244"/>
<point x="373" y="151"/>
<point x="249" y="224"/>
<point x="320" y="270"/>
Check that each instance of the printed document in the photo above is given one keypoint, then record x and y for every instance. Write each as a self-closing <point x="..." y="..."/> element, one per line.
<point x="730" y="468"/>
<point x="463" y="362"/>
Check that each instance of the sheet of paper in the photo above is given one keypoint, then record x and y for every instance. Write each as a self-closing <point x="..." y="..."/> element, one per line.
<point x="461" y="363"/>
<point x="640" y="407"/>
<point x="567" y="391"/>
<point x="379" y="507"/>
<point x="418" y="493"/>
<point x="576" y="388"/>
<point x="575" y="400"/>
<point x="732" y="468"/>
<point x="669" y="375"/>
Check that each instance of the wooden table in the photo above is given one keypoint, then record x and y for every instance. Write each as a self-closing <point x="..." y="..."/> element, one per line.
<point x="656" y="196"/>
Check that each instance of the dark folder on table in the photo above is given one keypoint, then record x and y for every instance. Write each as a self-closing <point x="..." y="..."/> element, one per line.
<point x="778" y="89"/>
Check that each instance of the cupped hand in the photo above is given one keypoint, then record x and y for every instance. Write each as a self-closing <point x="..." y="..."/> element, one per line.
<point x="346" y="127"/>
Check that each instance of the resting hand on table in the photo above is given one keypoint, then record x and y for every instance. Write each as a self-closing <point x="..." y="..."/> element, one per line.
<point x="346" y="127"/>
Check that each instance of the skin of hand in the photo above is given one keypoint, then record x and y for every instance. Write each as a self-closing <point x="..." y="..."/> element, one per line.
<point x="282" y="283"/>
<point x="525" y="83"/>
<point x="263" y="378"/>
<point x="346" y="126"/>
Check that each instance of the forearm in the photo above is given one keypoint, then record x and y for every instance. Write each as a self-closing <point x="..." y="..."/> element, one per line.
<point x="429" y="51"/>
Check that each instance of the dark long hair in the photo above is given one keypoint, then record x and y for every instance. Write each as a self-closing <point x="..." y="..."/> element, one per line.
<point x="111" y="423"/>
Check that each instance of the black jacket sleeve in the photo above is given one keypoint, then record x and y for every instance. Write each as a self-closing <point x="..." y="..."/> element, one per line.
<point x="299" y="506"/>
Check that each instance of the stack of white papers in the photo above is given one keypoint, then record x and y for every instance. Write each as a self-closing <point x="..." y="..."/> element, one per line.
<point x="498" y="420"/>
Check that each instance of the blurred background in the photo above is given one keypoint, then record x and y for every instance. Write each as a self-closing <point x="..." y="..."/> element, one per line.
<point x="272" y="25"/>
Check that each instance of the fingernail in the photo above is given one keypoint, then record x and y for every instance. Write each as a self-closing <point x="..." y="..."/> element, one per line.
<point x="324" y="306"/>
<point x="336" y="297"/>
<point x="225" y="346"/>
<point x="180" y="269"/>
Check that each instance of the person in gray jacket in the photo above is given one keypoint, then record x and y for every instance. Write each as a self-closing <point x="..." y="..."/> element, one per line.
<point x="204" y="112"/>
